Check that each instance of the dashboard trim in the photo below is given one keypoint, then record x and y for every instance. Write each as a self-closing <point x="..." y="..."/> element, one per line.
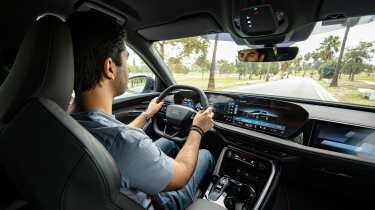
<point x="293" y="147"/>
<point x="304" y="101"/>
<point x="365" y="119"/>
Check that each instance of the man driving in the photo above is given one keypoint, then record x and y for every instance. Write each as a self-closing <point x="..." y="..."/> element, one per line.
<point x="158" y="175"/>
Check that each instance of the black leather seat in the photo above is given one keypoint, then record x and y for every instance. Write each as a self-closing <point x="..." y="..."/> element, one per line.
<point x="51" y="160"/>
<point x="3" y="73"/>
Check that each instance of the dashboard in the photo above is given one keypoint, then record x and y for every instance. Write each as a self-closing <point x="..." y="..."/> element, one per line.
<point x="286" y="121"/>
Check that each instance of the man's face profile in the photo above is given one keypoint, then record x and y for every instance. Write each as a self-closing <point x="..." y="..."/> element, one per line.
<point x="121" y="81"/>
<point x="251" y="55"/>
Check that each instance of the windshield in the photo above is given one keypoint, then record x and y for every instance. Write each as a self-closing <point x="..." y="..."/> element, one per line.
<point x="345" y="48"/>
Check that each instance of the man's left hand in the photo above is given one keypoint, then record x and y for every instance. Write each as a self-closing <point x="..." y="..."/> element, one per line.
<point x="154" y="107"/>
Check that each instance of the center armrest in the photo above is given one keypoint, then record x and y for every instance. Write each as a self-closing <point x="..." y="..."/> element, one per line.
<point x="205" y="205"/>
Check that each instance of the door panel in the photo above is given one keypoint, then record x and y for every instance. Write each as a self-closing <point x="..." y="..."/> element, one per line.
<point x="127" y="109"/>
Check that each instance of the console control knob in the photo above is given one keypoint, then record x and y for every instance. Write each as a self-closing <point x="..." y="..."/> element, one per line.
<point x="229" y="202"/>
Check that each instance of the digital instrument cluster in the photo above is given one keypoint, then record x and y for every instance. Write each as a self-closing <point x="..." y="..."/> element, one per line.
<point x="188" y="99"/>
<point x="192" y="104"/>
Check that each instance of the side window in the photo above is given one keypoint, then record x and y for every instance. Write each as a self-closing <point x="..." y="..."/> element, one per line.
<point x="141" y="78"/>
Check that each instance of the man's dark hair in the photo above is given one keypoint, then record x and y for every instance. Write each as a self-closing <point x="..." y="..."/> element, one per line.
<point x="96" y="37"/>
<point x="268" y="54"/>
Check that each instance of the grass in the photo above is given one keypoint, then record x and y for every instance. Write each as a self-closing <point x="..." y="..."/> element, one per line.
<point x="222" y="81"/>
<point x="362" y="76"/>
<point x="347" y="92"/>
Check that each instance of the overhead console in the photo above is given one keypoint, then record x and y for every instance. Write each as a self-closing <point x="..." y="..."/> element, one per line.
<point x="272" y="22"/>
<point x="273" y="117"/>
<point x="257" y="18"/>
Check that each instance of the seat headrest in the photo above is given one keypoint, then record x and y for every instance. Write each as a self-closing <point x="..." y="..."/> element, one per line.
<point x="44" y="67"/>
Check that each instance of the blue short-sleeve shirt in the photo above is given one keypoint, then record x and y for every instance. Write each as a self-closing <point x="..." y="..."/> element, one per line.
<point x="145" y="169"/>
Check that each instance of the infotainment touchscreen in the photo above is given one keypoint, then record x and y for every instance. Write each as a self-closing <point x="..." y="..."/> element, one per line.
<point x="257" y="117"/>
<point x="345" y="139"/>
<point x="269" y="116"/>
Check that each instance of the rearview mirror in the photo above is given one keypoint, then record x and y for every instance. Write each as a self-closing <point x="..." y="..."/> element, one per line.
<point x="268" y="54"/>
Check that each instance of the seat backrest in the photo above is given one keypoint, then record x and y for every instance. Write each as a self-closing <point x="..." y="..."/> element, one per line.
<point x="3" y="73"/>
<point x="57" y="164"/>
<point x="53" y="162"/>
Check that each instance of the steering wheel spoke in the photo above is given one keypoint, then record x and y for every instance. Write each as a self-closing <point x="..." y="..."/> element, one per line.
<point x="166" y="133"/>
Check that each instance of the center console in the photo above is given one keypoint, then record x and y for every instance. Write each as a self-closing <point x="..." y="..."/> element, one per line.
<point x="241" y="180"/>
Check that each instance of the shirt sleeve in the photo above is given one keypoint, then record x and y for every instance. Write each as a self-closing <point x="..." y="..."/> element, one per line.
<point x="141" y="162"/>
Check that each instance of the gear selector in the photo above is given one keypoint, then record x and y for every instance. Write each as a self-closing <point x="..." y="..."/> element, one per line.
<point x="218" y="189"/>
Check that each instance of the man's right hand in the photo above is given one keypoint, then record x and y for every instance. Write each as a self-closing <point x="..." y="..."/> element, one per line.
<point x="186" y="159"/>
<point x="204" y="119"/>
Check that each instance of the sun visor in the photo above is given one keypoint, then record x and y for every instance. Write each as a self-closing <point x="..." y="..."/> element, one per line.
<point x="186" y="27"/>
<point x="111" y="8"/>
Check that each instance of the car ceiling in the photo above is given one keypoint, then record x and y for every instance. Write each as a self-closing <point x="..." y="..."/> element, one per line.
<point x="164" y="19"/>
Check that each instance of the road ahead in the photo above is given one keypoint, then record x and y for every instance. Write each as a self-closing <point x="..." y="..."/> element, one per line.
<point x="298" y="87"/>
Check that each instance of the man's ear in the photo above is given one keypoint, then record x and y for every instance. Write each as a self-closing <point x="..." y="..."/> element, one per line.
<point x="109" y="69"/>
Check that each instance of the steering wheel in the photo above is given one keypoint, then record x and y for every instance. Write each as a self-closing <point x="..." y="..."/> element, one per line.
<point x="177" y="119"/>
